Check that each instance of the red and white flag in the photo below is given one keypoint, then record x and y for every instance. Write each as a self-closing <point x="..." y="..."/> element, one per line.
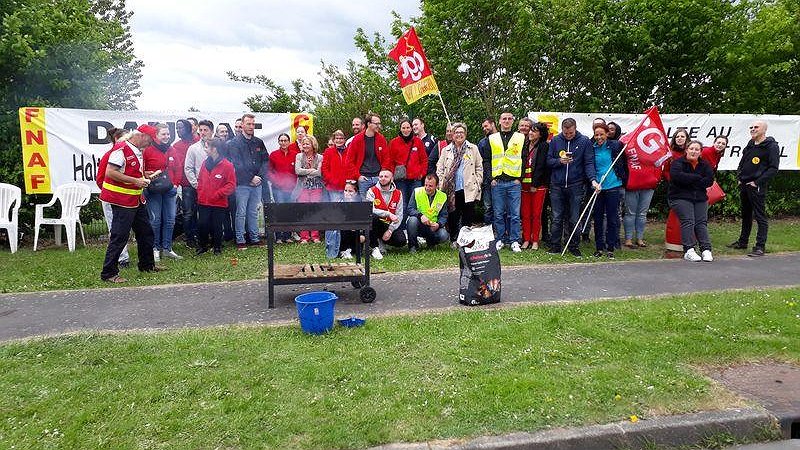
<point x="413" y="70"/>
<point x="647" y="148"/>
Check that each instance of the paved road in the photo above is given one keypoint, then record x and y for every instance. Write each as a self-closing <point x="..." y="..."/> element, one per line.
<point x="174" y="306"/>
<point x="794" y="444"/>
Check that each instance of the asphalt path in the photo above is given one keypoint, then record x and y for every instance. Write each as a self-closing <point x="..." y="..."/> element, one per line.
<point x="50" y="313"/>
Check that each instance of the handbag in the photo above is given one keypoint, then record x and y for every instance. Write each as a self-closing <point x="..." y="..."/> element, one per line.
<point x="160" y="184"/>
<point x="400" y="171"/>
<point x="715" y="193"/>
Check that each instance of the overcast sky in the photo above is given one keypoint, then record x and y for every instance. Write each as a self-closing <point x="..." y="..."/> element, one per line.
<point x="188" y="46"/>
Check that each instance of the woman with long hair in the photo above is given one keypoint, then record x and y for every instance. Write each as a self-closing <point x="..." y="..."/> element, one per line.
<point x="162" y="206"/>
<point x="535" y="183"/>
<point x="309" y="185"/>
<point x="409" y="161"/>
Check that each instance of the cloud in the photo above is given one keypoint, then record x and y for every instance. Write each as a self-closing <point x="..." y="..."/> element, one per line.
<point x="188" y="46"/>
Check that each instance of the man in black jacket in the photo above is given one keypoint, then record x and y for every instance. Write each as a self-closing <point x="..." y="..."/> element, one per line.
<point x="249" y="157"/>
<point x="759" y="163"/>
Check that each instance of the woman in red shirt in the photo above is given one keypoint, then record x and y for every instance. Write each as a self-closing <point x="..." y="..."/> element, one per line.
<point x="215" y="182"/>
<point x="162" y="205"/>
<point x="282" y="176"/>
<point x="408" y="155"/>
<point x="333" y="173"/>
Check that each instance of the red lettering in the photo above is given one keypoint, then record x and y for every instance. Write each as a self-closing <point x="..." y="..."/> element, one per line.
<point x="36" y="180"/>
<point x="36" y="160"/>
<point x="301" y="120"/>
<point x="31" y="112"/>
<point x="38" y="137"/>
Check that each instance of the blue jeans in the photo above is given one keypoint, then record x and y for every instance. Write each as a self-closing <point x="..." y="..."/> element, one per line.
<point x="189" y="203"/>
<point x="161" y="208"/>
<point x="407" y="188"/>
<point x="363" y="186"/>
<point x="486" y="196"/>
<point x="333" y="237"/>
<point x="636" y="205"/>
<point x="506" y="198"/>
<point x="566" y="204"/>
<point x="247" y="200"/>
<point x="606" y="219"/>
<point x="282" y="196"/>
<point x="416" y="229"/>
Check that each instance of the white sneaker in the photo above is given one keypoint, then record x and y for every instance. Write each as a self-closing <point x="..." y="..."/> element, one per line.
<point x="172" y="254"/>
<point x="421" y="241"/>
<point x="499" y="245"/>
<point x="156" y="255"/>
<point x="692" y="256"/>
<point x="707" y="256"/>
<point x="347" y="254"/>
<point x="515" y="247"/>
<point x="376" y="253"/>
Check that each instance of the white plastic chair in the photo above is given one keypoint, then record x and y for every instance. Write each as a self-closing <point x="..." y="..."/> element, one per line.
<point x="72" y="196"/>
<point x="10" y="199"/>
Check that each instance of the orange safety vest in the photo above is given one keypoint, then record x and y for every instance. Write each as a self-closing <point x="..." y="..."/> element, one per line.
<point x="380" y="203"/>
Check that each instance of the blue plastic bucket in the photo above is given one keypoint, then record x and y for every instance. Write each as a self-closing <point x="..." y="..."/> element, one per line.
<point x="315" y="310"/>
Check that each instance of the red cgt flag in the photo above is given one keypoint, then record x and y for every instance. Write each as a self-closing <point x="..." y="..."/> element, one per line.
<point x="648" y="141"/>
<point x="413" y="70"/>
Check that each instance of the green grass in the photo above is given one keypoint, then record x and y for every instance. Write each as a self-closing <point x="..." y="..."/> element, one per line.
<point x="455" y="375"/>
<point x="55" y="268"/>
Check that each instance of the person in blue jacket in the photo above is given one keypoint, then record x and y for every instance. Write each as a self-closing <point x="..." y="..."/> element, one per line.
<point x="571" y="162"/>
<point x="607" y="159"/>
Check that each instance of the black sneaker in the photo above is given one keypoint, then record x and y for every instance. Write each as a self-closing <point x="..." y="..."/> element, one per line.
<point x="575" y="252"/>
<point x="553" y="251"/>
<point x="737" y="245"/>
<point x="217" y="251"/>
<point x="598" y="254"/>
<point x="610" y="255"/>
<point x="200" y="251"/>
<point x="412" y="250"/>
<point x="756" y="253"/>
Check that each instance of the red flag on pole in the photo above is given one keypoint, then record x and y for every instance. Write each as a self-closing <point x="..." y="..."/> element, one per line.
<point x="647" y="148"/>
<point x="413" y="70"/>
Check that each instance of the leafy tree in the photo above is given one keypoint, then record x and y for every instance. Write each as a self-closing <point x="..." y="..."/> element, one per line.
<point x="60" y="54"/>
<point x="276" y="99"/>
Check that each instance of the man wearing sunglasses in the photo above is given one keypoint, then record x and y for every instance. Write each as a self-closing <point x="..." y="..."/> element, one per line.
<point x="759" y="163"/>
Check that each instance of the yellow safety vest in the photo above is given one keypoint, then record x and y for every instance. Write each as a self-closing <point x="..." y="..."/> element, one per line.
<point x="431" y="211"/>
<point x="507" y="161"/>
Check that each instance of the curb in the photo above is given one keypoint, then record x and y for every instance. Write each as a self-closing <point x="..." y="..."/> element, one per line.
<point x="670" y="431"/>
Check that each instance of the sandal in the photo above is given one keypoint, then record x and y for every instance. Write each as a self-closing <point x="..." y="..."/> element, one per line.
<point x="642" y="244"/>
<point x="525" y="245"/>
<point x="116" y="279"/>
<point x="630" y="244"/>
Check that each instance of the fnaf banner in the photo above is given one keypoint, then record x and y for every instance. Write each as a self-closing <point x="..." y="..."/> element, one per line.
<point x="702" y="127"/>
<point x="64" y="145"/>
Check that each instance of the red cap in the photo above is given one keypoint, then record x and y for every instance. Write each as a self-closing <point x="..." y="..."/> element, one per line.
<point x="149" y="130"/>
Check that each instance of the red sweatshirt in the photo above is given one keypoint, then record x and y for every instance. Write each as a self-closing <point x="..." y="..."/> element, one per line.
<point x="215" y="185"/>
<point x="414" y="153"/>
<point x="710" y="155"/>
<point x="355" y="155"/>
<point x="281" y="169"/>
<point x="333" y="173"/>
<point x="178" y="154"/>
<point x="154" y="159"/>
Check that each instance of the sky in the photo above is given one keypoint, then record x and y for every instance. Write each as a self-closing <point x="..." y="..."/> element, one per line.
<point x="188" y="46"/>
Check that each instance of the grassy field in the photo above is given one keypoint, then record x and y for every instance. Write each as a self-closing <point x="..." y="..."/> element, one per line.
<point x="438" y="376"/>
<point x="55" y="268"/>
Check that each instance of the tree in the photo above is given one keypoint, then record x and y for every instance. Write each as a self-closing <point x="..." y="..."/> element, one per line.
<point x="276" y="99"/>
<point x="56" y="54"/>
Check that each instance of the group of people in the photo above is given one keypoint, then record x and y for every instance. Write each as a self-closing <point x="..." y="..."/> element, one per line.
<point x="531" y="186"/>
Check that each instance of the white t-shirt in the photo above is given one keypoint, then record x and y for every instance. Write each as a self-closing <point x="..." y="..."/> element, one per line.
<point x="117" y="157"/>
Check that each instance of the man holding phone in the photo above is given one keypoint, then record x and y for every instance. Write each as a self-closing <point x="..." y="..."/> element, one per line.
<point x="571" y="161"/>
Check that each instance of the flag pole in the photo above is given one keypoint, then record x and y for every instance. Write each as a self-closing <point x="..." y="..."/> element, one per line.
<point x="444" y="107"/>
<point x="593" y="199"/>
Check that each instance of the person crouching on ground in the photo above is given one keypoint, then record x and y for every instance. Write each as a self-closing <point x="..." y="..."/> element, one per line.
<point x="387" y="214"/>
<point x="427" y="215"/>
<point x="690" y="176"/>
<point x="215" y="182"/>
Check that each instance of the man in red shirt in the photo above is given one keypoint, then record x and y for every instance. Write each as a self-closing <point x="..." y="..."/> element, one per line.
<point x="367" y="154"/>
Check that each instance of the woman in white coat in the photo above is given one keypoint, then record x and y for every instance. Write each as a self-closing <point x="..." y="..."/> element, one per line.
<point x="460" y="171"/>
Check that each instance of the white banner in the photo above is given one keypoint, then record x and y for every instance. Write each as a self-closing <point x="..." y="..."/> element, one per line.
<point x="702" y="127"/>
<point x="64" y="145"/>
